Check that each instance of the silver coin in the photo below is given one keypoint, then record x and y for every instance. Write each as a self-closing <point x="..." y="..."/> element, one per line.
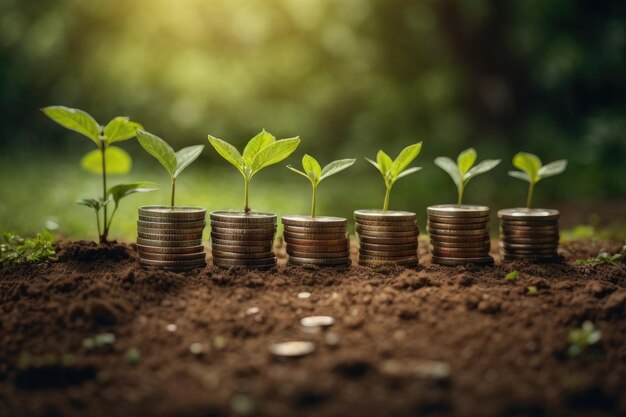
<point x="457" y="226"/>
<point x="292" y="349"/>
<point x="229" y="242"/>
<point x="458" y="220"/>
<point x="239" y="225"/>
<point x="171" y="257"/>
<point x="173" y="231"/>
<point x="389" y="235"/>
<point x="387" y="216"/>
<point x="320" y="247"/>
<point x="178" y="237"/>
<point x="169" y="244"/>
<point x="170" y="250"/>
<point x="244" y="262"/>
<point x="245" y="238"/>
<point x="435" y="238"/>
<point x="314" y="230"/>
<point x="232" y="216"/>
<point x="453" y="210"/>
<point x="461" y="245"/>
<point x="456" y="253"/>
<point x="175" y="213"/>
<point x="383" y="223"/>
<point x="319" y="221"/>
<point x="388" y="248"/>
<point x="390" y="254"/>
<point x="457" y="232"/>
<point x="244" y="231"/>
<point x="368" y="258"/>
<point x="318" y="255"/>
<point x="241" y="249"/>
<point x="387" y="241"/>
<point x="196" y="263"/>
<point x="313" y="236"/>
<point x="528" y="214"/>
<point x="390" y="227"/>
<point x="243" y="256"/>
<point x="408" y="262"/>
<point x="171" y="225"/>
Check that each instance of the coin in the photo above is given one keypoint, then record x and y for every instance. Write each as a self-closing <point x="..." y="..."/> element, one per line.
<point x="196" y="263"/>
<point x="292" y="349"/>
<point x="459" y="239"/>
<point x="456" y="226"/>
<point x="387" y="241"/>
<point x="303" y="229"/>
<point x="241" y="217"/>
<point x="527" y="246"/>
<point x="320" y="247"/>
<point x="457" y="232"/>
<point x="244" y="262"/>
<point x="453" y="210"/>
<point x="550" y="228"/>
<point x="244" y="243"/>
<point x="389" y="254"/>
<point x="313" y="236"/>
<point x="244" y="231"/>
<point x="458" y="220"/>
<point x="388" y="248"/>
<point x="459" y="253"/>
<point x="387" y="216"/>
<point x="369" y="258"/>
<point x="173" y="231"/>
<point x="527" y="214"/>
<point x="170" y="237"/>
<point x="241" y="249"/>
<point x="382" y="223"/>
<point x="472" y="245"/>
<point x="172" y="257"/>
<point x="507" y="257"/>
<point x="243" y="238"/>
<point x="177" y="213"/>
<point x="449" y="261"/>
<point x="311" y="242"/>
<point x="390" y="235"/>
<point x="319" y="221"/>
<point x="239" y="225"/>
<point x="319" y="261"/>
<point x="529" y="251"/>
<point x="171" y="225"/>
<point x="298" y="254"/>
<point x="406" y="262"/>
<point x="530" y="222"/>
<point x="238" y="255"/>
<point x="170" y="250"/>
<point x="317" y="321"/>
<point x="385" y="228"/>
<point x="169" y="244"/>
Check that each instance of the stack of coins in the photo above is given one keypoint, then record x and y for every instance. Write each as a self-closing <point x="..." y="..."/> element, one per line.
<point x="531" y="234"/>
<point x="316" y="241"/>
<point x="243" y="240"/>
<point x="459" y="234"/>
<point x="387" y="237"/>
<point x="171" y="237"/>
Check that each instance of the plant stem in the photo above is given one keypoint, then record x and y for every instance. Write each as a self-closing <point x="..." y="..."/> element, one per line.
<point x="111" y="218"/>
<point x="173" y="192"/>
<point x="529" y="198"/>
<point x="105" y="232"/>
<point x="461" y="189"/>
<point x="246" y="181"/>
<point x="386" y="203"/>
<point x="313" y="201"/>
<point x="98" y="222"/>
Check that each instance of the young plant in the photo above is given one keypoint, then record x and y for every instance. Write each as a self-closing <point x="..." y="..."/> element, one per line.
<point x="511" y="276"/>
<point x="314" y="173"/>
<point x="393" y="170"/>
<point x="532" y="171"/>
<point x="17" y="250"/>
<point x="173" y="162"/>
<point x="603" y="258"/>
<point x="582" y="339"/>
<point x="464" y="170"/>
<point x="262" y="151"/>
<point x="107" y="159"/>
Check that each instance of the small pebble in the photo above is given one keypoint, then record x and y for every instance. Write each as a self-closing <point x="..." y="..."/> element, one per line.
<point x="317" y="321"/>
<point x="304" y="295"/>
<point x="292" y="349"/>
<point x="171" y="327"/>
<point x="332" y="339"/>
<point x="196" y="348"/>
<point x="252" y="310"/>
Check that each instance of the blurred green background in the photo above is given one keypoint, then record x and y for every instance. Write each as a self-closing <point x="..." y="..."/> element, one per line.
<point x="348" y="76"/>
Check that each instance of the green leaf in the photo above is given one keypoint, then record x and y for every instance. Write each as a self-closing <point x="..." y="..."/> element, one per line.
<point x="450" y="167"/>
<point x="76" y="120"/>
<point x="120" y="129"/>
<point x="404" y="159"/>
<point x="465" y="160"/>
<point x="384" y="162"/>
<point x="229" y="153"/>
<point x="122" y="190"/>
<point x="511" y="276"/>
<point x="93" y="203"/>
<point x="297" y="171"/>
<point x="186" y="156"/>
<point x="553" y="168"/>
<point x="273" y="154"/>
<point x="312" y="168"/>
<point x="374" y="163"/>
<point x="481" y="168"/>
<point x="336" y="166"/>
<point x="408" y="172"/>
<point x="256" y="144"/>
<point x="158" y="148"/>
<point x="118" y="161"/>
<point x="519" y="175"/>
<point x="528" y="163"/>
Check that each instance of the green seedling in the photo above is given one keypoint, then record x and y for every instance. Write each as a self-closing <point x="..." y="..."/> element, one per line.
<point x="532" y="171"/>
<point x="393" y="170"/>
<point x="603" y="258"/>
<point x="464" y="170"/>
<point x="314" y="172"/>
<point x="98" y="341"/>
<point x="532" y="290"/>
<point x="511" y="276"/>
<point x="107" y="159"/>
<point x="17" y="250"/>
<point x="132" y="356"/>
<point x="582" y="339"/>
<point x="173" y="162"/>
<point x="261" y="151"/>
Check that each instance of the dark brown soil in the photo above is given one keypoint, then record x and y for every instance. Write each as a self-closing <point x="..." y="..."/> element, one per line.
<point x="506" y="349"/>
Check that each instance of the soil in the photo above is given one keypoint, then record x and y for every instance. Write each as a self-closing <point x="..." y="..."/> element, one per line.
<point x="428" y="341"/>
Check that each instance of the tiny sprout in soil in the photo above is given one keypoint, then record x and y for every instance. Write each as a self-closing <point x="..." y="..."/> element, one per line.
<point x="532" y="171"/>
<point x="106" y="159"/>
<point x="393" y="170"/>
<point x="464" y="170"/>
<point x="532" y="290"/>
<point x="582" y="339"/>
<point x="261" y="151"/>
<point x="511" y="276"/>
<point x="173" y="162"/>
<point x="16" y="249"/>
<point x="315" y="174"/>
<point x="604" y="258"/>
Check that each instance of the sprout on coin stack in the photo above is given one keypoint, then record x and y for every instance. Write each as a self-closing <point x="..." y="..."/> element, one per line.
<point x="527" y="233"/>
<point x="459" y="234"/>
<point x="170" y="237"/>
<point x="314" y="240"/>
<point x="389" y="237"/>
<point x="244" y="238"/>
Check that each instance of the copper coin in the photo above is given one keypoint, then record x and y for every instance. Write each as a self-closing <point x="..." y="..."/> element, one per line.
<point x="319" y="261"/>
<point x="313" y="236"/>
<point x="386" y="228"/>
<point x="262" y="237"/>
<point x="314" y="230"/>
<point x="530" y="258"/>
<point x="317" y="255"/>
<point x="162" y="237"/>
<point x="244" y="263"/>
<point x="457" y="226"/>
<point x="382" y="254"/>
<point x="530" y="240"/>
<point x="458" y="220"/>
<point x="527" y="223"/>
<point x="312" y="242"/>
<point x="241" y="249"/>
<point x="169" y="244"/>
<point x="387" y="241"/>
<point x="238" y="255"/>
<point x="388" y="248"/>
<point x="457" y="232"/>
<point x="449" y="261"/>
<point x="406" y="262"/>
<point x="244" y="231"/>
<point x="389" y="235"/>
<point x="528" y="246"/>
<point x="467" y="238"/>
<point x="461" y="245"/>
<point x="196" y="263"/>
<point x="170" y="250"/>
<point x="319" y="248"/>
<point x="235" y="225"/>
<point x="172" y="257"/>
<point x="243" y="243"/>
<point x="532" y="229"/>
<point x="459" y="253"/>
